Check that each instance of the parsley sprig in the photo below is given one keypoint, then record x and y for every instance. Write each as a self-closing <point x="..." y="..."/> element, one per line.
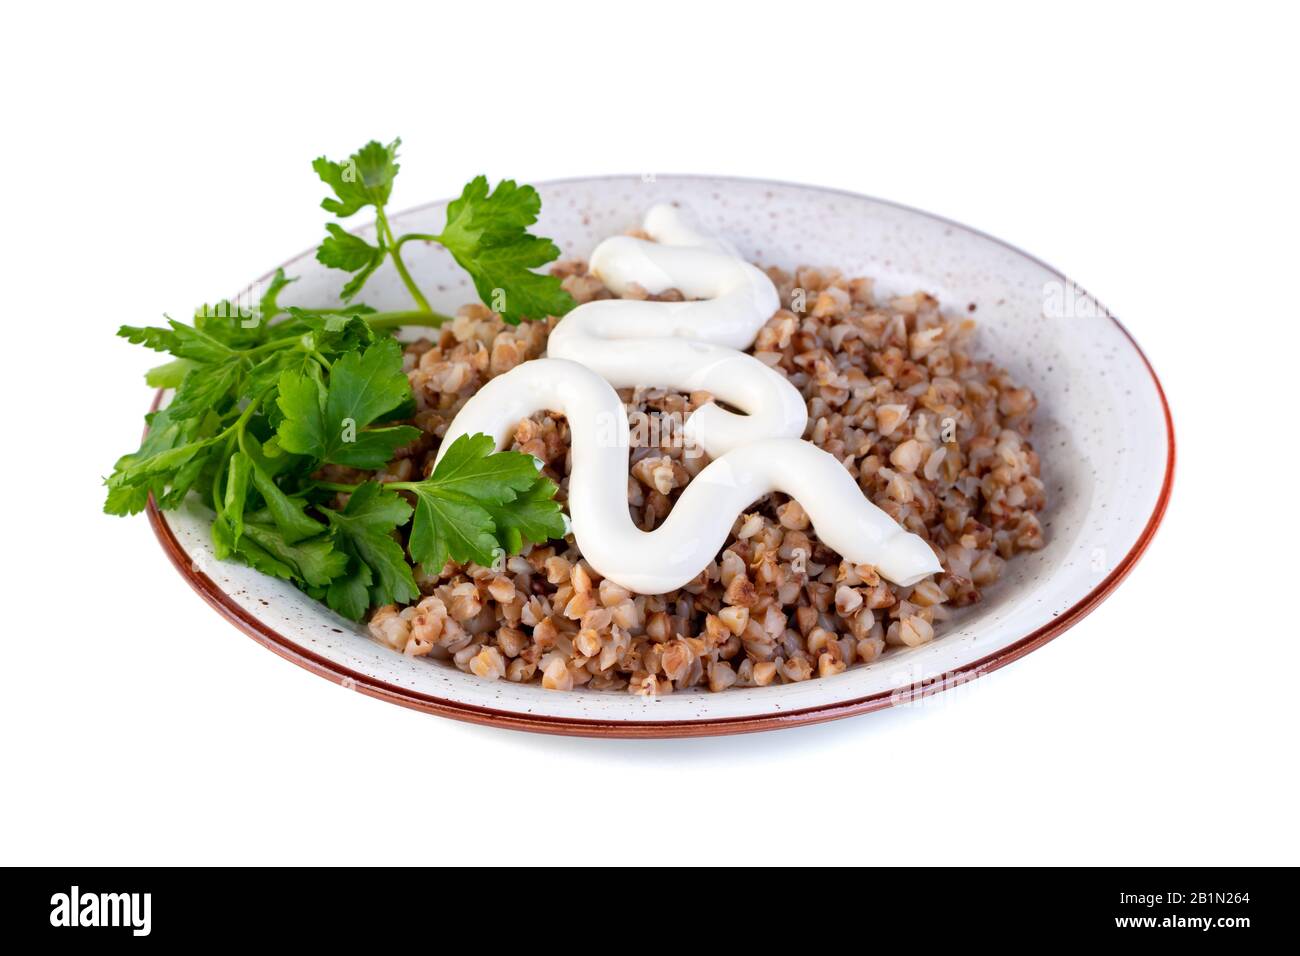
<point x="486" y="232"/>
<point x="266" y="398"/>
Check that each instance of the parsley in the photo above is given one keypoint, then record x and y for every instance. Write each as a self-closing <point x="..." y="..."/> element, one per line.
<point x="486" y="233"/>
<point x="328" y="423"/>
<point x="464" y="511"/>
<point x="265" y="397"/>
<point x="365" y="179"/>
<point x="378" y="572"/>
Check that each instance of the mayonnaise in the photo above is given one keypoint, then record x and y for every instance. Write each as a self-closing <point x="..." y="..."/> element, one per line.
<point x="686" y="346"/>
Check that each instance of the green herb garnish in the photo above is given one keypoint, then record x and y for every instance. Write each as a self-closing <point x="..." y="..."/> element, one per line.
<point x="265" y="397"/>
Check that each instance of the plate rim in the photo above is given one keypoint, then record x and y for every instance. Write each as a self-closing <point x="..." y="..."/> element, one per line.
<point x="293" y="652"/>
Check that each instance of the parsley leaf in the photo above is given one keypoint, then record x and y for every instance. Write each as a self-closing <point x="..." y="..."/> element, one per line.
<point x="478" y="502"/>
<point x="336" y="334"/>
<point x="169" y="374"/>
<point x="328" y="422"/>
<point x="379" y="572"/>
<point x="533" y="516"/>
<point x="342" y="250"/>
<point x="238" y="478"/>
<point x="487" y="234"/>
<point x="151" y="468"/>
<point x="364" y="179"/>
<point x="314" y="560"/>
<point x="268" y="306"/>
<point x="450" y="525"/>
<point x="226" y="547"/>
<point x="205" y="386"/>
<point x="470" y="467"/>
<point x="183" y="341"/>
<point x="287" y="513"/>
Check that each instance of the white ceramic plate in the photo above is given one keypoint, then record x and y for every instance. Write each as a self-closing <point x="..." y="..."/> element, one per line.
<point x="1102" y="427"/>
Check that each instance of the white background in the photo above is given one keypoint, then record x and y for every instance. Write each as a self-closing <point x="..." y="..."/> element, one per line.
<point x="158" y="157"/>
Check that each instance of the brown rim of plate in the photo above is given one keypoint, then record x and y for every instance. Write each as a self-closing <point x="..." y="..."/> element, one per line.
<point x="590" y="727"/>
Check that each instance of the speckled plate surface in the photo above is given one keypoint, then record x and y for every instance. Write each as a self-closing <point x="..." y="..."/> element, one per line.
<point x="1102" y="428"/>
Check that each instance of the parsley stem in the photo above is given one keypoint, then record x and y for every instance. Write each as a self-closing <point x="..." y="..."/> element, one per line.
<point x="386" y="236"/>
<point x="271" y="346"/>
<point x="393" y="320"/>
<point x="218" y="499"/>
<point x="248" y="412"/>
<point x="348" y="489"/>
<point x="335" y="486"/>
<point x="237" y="426"/>
<point x="423" y="236"/>
<point x="234" y="437"/>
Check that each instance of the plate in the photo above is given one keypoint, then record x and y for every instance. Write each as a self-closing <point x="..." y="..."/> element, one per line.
<point x="1103" y="430"/>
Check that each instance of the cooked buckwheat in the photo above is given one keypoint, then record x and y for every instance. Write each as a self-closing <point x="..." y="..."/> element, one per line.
<point x="936" y="438"/>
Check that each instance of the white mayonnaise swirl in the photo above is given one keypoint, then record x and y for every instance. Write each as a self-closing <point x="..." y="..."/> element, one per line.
<point x="686" y="346"/>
